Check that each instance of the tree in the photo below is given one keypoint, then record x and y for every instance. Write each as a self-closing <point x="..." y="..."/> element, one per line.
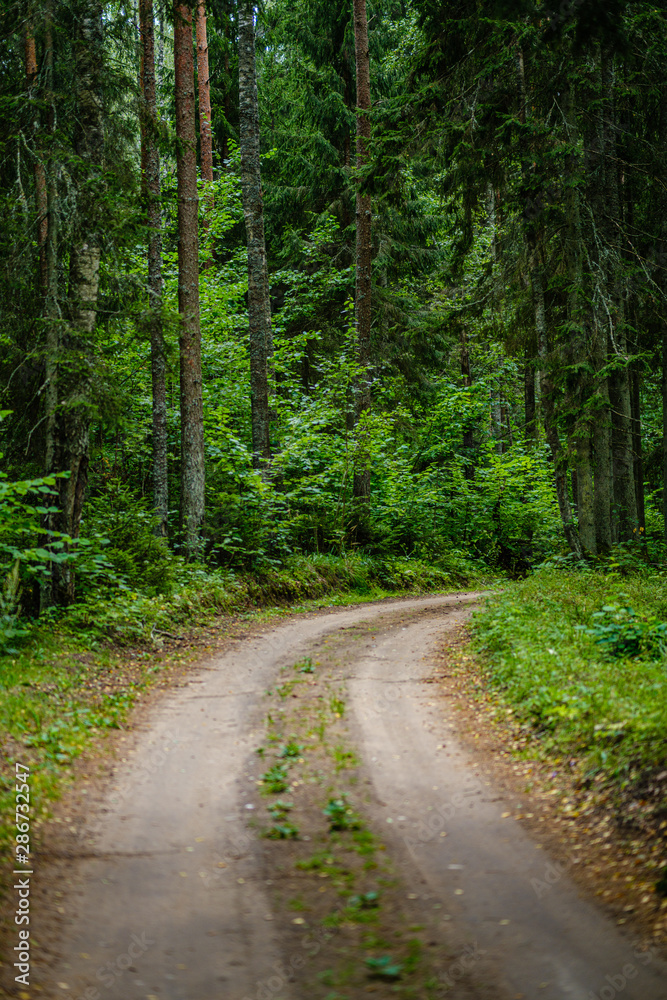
<point x="151" y="179"/>
<point x="205" y="133"/>
<point x="259" y="306"/>
<point x="38" y="166"/>
<point x="362" y="288"/>
<point x="192" y="419"/>
<point x="77" y="352"/>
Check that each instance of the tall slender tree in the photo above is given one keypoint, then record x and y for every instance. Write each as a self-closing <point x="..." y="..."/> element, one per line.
<point x="259" y="306"/>
<point x="205" y="132"/>
<point x="362" y="288"/>
<point x="77" y="354"/>
<point x="191" y="393"/>
<point x="39" y="174"/>
<point x="151" y="181"/>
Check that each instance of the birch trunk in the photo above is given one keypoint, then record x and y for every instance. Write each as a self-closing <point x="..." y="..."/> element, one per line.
<point x="151" y="160"/>
<point x="192" y="418"/>
<point x="259" y="306"/>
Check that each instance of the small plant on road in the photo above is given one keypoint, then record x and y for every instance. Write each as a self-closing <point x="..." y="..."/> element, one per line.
<point x="384" y="968"/>
<point x="337" y="705"/>
<point x="274" y="781"/>
<point x="340" y="815"/>
<point x="291" y="750"/>
<point x="282" y="828"/>
<point x="305" y="666"/>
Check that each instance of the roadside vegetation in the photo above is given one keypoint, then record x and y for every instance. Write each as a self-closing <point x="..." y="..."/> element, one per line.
<point x="581" y="657"/>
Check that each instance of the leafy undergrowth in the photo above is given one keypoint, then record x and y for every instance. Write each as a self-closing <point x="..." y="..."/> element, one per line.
<point x="580" y="656"/>
<point x="80" y="675"/>
<point x="199" y="593"/>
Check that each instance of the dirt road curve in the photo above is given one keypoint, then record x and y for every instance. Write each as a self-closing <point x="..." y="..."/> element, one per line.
<point x="146" y="909"/>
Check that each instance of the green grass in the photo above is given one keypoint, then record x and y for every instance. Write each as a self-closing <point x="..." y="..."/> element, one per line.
<point x="545" y="645"/>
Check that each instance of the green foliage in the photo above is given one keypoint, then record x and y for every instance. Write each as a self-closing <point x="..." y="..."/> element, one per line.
<point x="594" y="686"/>
<point x="385" y="967"/>
<point x="122" y="521"/>
<point x="621" y="632"/>
<point x="275" y="779"/>
<point x="340" y="815"/>
<point x="281" y="829"/>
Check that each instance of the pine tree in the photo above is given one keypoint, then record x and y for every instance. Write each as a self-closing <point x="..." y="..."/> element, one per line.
<point x="259" y="307"/>
<point x="151" y="161"/>
<point x="362" y="292"/>
<point x="191" y="398"/>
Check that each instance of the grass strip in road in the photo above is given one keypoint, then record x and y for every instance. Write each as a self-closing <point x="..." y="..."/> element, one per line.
<point x="352" y="922"/>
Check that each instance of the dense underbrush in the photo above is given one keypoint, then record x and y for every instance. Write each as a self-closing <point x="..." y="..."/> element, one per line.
<point x="581" y="656"/>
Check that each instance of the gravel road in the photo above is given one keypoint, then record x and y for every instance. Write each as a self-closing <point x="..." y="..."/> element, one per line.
<point x="170" y="902"/>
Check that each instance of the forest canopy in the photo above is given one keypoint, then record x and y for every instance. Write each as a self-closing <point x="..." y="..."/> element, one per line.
<point x="319" y="279"/>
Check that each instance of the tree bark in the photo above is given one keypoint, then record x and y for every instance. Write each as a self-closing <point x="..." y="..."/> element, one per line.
<point x="205" y="133"/>
<point x="664" y="427"/>
<point x="362" y="292"/>
<point x="39" y="173"/>
<point x="583" y="488"/>
<point x="52" y="310"/>
<point x="529" y="400"/>
<point x="637" y="448"/>
<point x="468" y="438"/>
<point x="192" y="418"/>
<point x="75" y="375"/>
<point x="547" y="393"/>
<point x="259" y="305"/>
<point x="619" y="383"/>
<point x="151" y="160"/>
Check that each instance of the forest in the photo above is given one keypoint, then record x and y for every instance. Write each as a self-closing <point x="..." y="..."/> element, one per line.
<point x="306" y="304"/>
<point x="317" y="280"/>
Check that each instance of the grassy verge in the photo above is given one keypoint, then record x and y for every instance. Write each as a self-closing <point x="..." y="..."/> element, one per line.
<point x="79" y="675"/>
<point x="581" y="659"/>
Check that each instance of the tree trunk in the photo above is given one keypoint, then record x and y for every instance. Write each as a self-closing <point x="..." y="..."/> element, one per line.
<point x="583" y="489"/>
<point x="664" y="427"/>
<point x="468" y="438"/>
<point x="551" y="431"/>
<point x="160" y="51"/>
<point x="71" y="443"/>
<point x="52" y="311"/>
<point x="192" y="419"/>
<point x="151" y="159"/>
<point x="362" y="292"/>
<point x="205" y="133"/>
<point x="259" y="306"/>
<point x="637" y="448"/>
<point x="529" y="401"/>
<point x="619" y="383"/>
<point x="38" y="168"/>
